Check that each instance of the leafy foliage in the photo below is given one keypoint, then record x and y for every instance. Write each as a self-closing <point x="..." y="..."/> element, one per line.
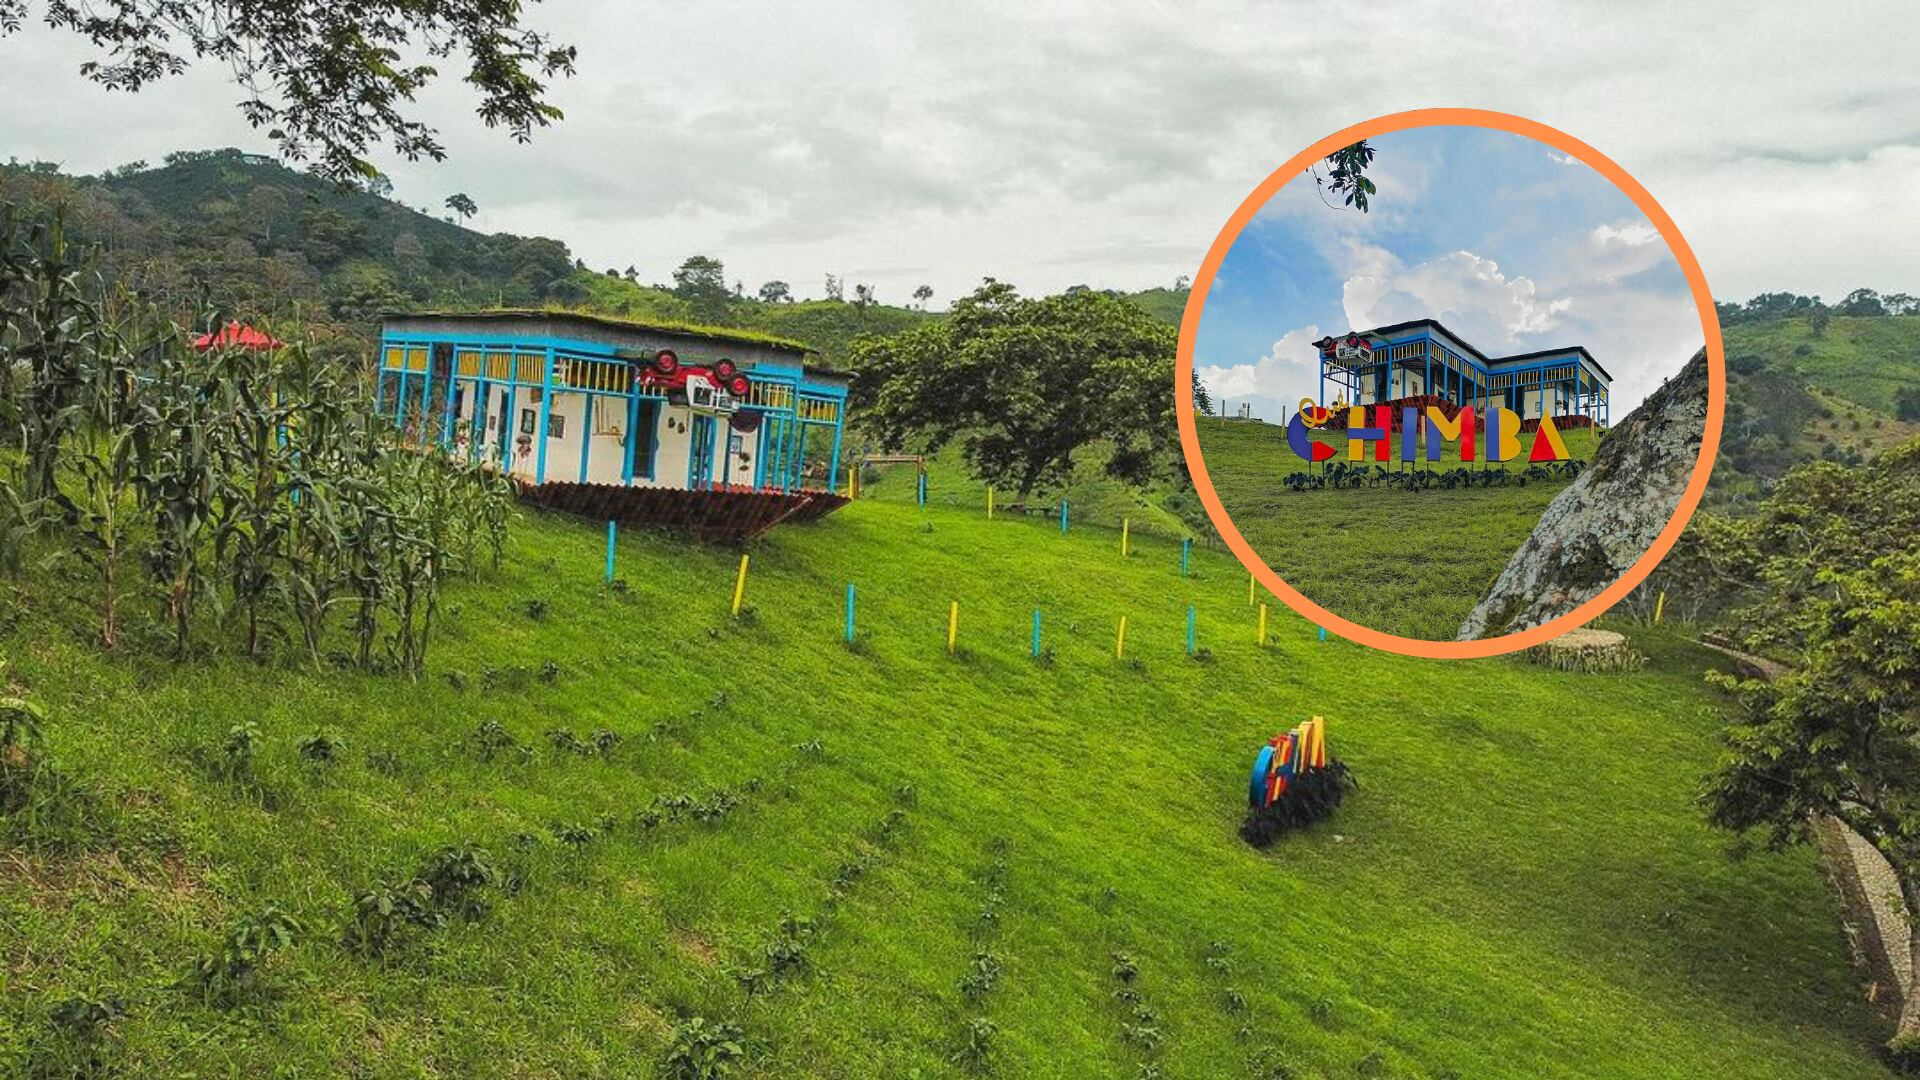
<point x="232" y="970"/>
<point x="1023" y="384"/>
<point x="327" y="81"/>
<point x="261" y="482"/>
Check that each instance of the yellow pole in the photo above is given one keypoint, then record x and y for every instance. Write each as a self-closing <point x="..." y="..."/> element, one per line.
<point x="1261" y="640"/>
<point x="953" y="625"/>
<point x="740" y="587"/>
<point x="1120" y="641"/>
<point x="853" y="480"/>
<point x="1659" y="606"/>
<point x="1126" y="535"/>
<point x="1249" y="588"/>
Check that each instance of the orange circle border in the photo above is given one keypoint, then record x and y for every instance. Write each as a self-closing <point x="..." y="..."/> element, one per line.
<point x="1696" y="483"/>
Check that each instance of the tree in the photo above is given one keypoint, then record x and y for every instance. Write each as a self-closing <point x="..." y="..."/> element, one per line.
<point x="1346" y="174"/>
<point x="923" y="294"/>
<point x="463" y="206"/>
<point x="1906" y="403"/>
<point x="1830" y="578"/>
<point x="327" y="80"/>
<point x="1182" y="283"/>
<point x="863" y="296"/>
<point x="1024" y="384"/>
<point x="702" y="282"/>
<point x="836" y="290"/>
<point x="1861" y="302"/>
<point x="632" y="274"/>
<point x="1839" y="737"/>
<point x="775" y="292"/>
<point x="1202" y="401"/>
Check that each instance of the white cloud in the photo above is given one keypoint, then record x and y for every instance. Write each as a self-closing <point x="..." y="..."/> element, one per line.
<point x="1078" y="142"/>
<point x="1291" y="361"/>
<point x="1468" y="292"/>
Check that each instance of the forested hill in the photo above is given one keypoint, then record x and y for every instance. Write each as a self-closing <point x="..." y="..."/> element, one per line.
<point x="1814" y="386"/>
<point x="253" y="239"/>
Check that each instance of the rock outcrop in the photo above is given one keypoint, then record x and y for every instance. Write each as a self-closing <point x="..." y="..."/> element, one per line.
<point x="1608" y="517"/>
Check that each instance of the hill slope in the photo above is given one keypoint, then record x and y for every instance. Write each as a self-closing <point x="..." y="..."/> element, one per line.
<point x="1507" y="895"/>
<point x="1803" y="388"/>
<point x="1410" y="563"/>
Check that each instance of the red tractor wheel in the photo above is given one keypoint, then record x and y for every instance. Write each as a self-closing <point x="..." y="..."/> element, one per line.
<point x="665" y="362"/>
<point x="725" y="368"/>
<point x="738" y="385"/>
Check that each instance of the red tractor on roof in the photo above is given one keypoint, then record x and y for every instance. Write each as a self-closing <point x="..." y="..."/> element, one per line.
<point x="721" y="388"/>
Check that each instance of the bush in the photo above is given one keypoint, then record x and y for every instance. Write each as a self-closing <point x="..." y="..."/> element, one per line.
<point x="456" y="875"/>
<point x="1903" y="1054"/>
<point x="232" y="971"/>
<point x="382" y="914"/>
<point x="703" y="1050"/>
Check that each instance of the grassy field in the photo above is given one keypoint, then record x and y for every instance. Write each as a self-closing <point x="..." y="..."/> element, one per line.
<point x="1406" y="562"/>
<point x="1521" y="887"/>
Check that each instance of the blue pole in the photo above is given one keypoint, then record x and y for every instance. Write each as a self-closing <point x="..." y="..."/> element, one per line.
<point x="1036" y="633"/>
<point x="1323" y="633"/>
<point x="1186" y="548"/>
<point x="923" y="489"/>
<point x="611" y="531"/>
<point x="849" y="612"/>
<point x="1189" y="629"/>
<point x="1063" y="515"/>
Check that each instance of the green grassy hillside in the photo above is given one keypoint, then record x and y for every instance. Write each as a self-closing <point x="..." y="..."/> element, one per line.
<point x="1801" y="389"/>
<point x="1411" y="563"/>
<point x="1521" y="887"/>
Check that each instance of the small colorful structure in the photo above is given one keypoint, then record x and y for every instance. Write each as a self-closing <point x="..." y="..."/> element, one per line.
<point x="1295" y="782"/>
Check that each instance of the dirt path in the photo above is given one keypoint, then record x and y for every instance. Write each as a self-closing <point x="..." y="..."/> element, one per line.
<point x="1876" y="917"/>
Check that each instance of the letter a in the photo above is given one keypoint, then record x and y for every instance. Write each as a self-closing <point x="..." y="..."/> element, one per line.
<point x="1547" y="443"/>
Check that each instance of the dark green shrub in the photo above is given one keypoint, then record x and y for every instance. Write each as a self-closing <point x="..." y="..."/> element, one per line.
<point x="319" y="747"/>
<point x="976" y="1045"/>
<point x="381" y="916"/>
<point x="232" y="971"/>
<point x="703" y="1050"/>
<point x="457" y="874"/>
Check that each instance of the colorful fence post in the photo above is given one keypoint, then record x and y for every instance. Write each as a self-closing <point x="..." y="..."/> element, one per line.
<point x="1659" y="607"/>
<point x="740" y="587"/>
<point x="1120" y="641"/>
<point x="1126" y="536"/>
<point x="1249" y="588"/>
<point x="1063" y="515"/>
<point x="849" y="612"/>
<point x="1186" y="551"/>
<point x="953" y="626"/>
<point x="610" y="541"/>
<point x="1036" y="633"/>
<point x="1260" y="639"/>
<point x="1323" y="633"/>
<point x="989" y="502"/>
<point x="1190" y="641"/>
<point x="921" y="495"/>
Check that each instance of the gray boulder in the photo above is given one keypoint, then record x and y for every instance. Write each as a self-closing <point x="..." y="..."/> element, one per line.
<point x="1608" y="517"/>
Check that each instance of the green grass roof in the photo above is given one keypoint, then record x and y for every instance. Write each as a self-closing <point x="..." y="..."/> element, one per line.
<point x="657" y="326"/>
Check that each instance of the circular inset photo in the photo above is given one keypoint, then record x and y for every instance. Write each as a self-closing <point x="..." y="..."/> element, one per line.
<point x="1456" y="383"/>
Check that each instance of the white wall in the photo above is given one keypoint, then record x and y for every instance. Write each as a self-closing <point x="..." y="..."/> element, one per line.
<point x="672" y="428"/>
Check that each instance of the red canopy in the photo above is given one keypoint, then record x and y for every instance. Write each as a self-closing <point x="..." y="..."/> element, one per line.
<point x="235" y="336"/>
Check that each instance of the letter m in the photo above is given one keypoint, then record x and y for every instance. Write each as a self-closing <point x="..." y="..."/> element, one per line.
<point x="1460" y="429"/>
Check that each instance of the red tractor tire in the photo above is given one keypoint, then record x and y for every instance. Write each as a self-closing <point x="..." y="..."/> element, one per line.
<point x="738" y="386"/>
<point x="725" y="368"/>
<point x="665" y="362"/>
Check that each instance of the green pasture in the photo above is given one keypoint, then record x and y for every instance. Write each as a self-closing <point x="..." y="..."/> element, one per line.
<point x="1521" y="887"/>
<point x="1411" y="563"/>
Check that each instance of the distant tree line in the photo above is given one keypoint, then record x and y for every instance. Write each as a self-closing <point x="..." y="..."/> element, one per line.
<point x="1777" y="305"/>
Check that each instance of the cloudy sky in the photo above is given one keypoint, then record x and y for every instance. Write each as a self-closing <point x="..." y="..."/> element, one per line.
<point x="1061" y="143"/>
<point x="1509" y="243"/>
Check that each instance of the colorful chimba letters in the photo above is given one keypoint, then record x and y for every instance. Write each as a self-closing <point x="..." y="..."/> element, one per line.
<point x="1498" y="430"/>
